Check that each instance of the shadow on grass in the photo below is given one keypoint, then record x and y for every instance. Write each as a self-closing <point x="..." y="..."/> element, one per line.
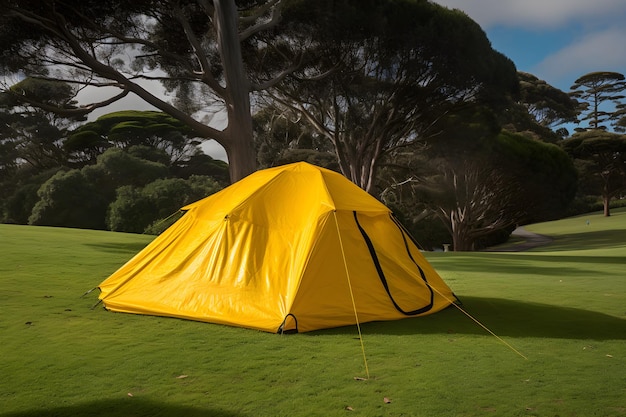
<point x="118" y="247"/>
<point x="602" y="239"/>
<point x="526" y="263"/>
<point x="126" y="407"/>
<point x="506" y="318"/>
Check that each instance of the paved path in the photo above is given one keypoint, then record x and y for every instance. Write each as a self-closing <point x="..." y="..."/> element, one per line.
<point x="531" y="240"/>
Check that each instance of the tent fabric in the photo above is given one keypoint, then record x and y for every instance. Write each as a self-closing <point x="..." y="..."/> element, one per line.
<point x="291" y="248"/>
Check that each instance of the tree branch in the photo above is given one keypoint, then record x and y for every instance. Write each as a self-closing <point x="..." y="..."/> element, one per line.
<point x="203" y="61"/>
<point x="273" y="21"/>
<point x="57" y="25"/>
<point x="68" y="112"/>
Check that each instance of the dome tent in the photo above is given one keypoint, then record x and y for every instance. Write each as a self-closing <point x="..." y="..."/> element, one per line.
<point x="291" y="248"/>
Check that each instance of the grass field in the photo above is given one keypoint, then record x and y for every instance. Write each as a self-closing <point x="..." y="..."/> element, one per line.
<point x="562" y="306"/>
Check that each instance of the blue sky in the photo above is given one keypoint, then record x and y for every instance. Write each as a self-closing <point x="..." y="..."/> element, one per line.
<point x="556" y="40"/>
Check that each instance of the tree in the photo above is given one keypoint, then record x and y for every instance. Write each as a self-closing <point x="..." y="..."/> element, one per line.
<point x="603" y="157"/>
<point x="548" y="105"/>
<point x="193" y="46"/>
<point x="595" y="89"/>
<point x="125" y="129"/>
<point x="386" y="71"/>
<point x="68" y="199"/>
<point x="19" y="193"/>
<point x="282" y="138"/>
<point x="30" y="134"/>
<point x="539" y="109"/>
<point x="512" y="181"/>
<point x="80" y="198"/>
<point x="473" y="201"/>
<point x="481" y="181"/>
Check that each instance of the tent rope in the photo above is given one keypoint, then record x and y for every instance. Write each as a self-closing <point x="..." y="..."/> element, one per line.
<point x="160" y="222"/>
<point x="356" y="316"/>
<point x="447" y="298"/>
<point x="481" y="325"/>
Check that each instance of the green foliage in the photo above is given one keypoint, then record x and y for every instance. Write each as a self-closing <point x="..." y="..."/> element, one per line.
<point x="138" y="210"/>
<point x="601" y="161"/>
<point x="80" y="198"/>
<point x="85" y="146"/>
<point x="122" y="168"/>
<point x="548" y="105"/>
<point x="203" y="165"/>
<point x="322" y="159"/>
<point x="42" y="92"/>
<point x="538" y="109"/>
<point x="546" y="175"/>
<point x="130" y="212"/>
<point x="21" y="195"/>
<point x="68" y="199"/>
<point x="131" y="128"/>
<point x="150" y="153"/>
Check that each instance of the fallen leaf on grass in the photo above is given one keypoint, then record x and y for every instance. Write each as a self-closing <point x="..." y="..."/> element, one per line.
<point x="130" y="394"/>
<point x="182" y="376"/>
<point x="360" y="378"/>
<point x="609" y="356"/>
<point x="387" y="400"/>
<point x="348" y="408"/>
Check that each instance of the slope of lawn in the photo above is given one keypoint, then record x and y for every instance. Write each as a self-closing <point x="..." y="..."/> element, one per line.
<point x="561" y="306"/>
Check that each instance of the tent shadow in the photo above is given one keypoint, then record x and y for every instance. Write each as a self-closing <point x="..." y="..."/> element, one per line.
<point x="124" y="407"/>
<point x="505" y="318"/>
<point x="118" y="247"/>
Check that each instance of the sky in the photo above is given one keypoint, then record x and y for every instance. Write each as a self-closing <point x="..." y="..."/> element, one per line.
<point x="555" y="40"/>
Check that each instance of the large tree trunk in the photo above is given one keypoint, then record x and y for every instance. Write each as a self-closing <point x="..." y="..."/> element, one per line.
<point x="240" y="146"/>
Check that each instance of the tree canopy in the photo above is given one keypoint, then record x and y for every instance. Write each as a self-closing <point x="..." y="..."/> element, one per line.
<point x="128" y="128"/>
<point x="539" y="109"/>
<point x="192" y="46"/>
<point x="595" y="89"/>
<point x="603" y="162"/>
<point x="390" y="70"/>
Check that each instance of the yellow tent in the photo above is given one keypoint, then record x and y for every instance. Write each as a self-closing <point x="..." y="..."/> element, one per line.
<point x="292" y="248"/>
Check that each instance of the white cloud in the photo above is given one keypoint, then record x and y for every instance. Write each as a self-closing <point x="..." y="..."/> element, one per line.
<point x="599" y="51"/>
<point x="538" y="13"/>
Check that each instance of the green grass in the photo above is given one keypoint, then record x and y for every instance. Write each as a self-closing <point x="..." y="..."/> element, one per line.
<point x="563" y="306"/>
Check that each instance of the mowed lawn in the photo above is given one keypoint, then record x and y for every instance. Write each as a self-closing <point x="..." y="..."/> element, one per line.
<point x="559" y="312"/>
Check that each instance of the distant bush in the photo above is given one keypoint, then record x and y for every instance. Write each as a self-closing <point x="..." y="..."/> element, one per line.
<point x="68" y="199"/>
<point x="138" y="210"/>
